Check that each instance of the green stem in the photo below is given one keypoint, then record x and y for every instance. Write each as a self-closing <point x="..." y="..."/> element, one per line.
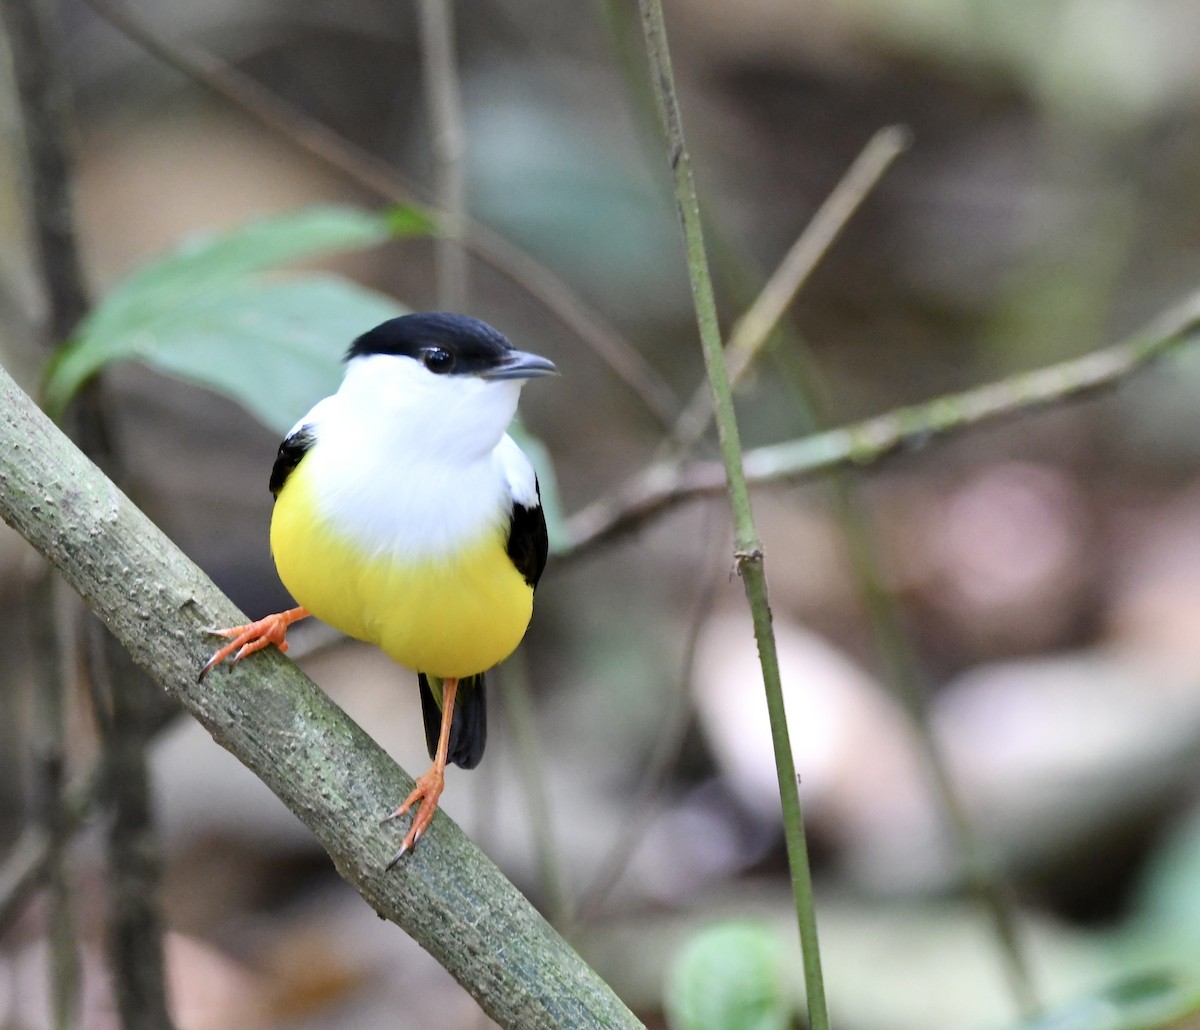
<point x="748" y="550"/>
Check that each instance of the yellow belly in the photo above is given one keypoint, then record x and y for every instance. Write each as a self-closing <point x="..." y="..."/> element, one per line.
<point x="454" y="616"/>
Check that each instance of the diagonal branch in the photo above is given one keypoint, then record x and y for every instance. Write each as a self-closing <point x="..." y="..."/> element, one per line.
<point x="447" y="895"/>
<point x="663" y="486"/>
<point x="753" y="330"/>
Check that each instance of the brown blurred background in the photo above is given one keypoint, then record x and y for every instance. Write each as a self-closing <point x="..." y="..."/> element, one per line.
<point x="1048" y="570"/>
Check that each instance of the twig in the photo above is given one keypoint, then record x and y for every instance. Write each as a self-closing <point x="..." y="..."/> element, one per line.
<point x="672" y="722"/>
<point x="663" y="486"/>
<point x="751" y="332"/>
<point x="23" y="871"/>
<point x="317" y="140"/>
<point x="49" y="819"/>
<point x="134" y="850"/>
<point x="517" y="698"/>
<point x="43" y="100"/>
<point x="27" y="866"/>
<point x="749" y="337"/>
<point x="135" y="930"/>
<point x="447" y="895"/>
<point x="448" y="143"/>
<point x="43" y="104"/>
<point x="748" y="552"/>
<point x="902" y="672"/>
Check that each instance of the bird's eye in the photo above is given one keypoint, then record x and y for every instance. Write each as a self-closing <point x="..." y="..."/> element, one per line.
<point x="438" y="360"/>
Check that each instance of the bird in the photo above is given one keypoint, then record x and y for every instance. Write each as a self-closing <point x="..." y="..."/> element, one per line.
<point x="406" y="516"/>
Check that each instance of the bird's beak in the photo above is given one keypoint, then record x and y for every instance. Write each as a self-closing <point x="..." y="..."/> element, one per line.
<point x="518" y="364"/>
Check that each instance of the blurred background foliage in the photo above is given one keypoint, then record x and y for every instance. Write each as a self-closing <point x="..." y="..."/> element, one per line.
<point x="1048" y="570"/>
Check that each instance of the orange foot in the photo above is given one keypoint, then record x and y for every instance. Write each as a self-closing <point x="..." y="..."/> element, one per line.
<point x="253" y="637"/>
<point x="432" y="782"/>
<point x="428" y="790"/>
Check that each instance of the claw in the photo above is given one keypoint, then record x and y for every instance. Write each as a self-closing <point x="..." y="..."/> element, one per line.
<point x="396" y="858"/>
<point x="428" y="790"/>
<point x="254" y="636"/>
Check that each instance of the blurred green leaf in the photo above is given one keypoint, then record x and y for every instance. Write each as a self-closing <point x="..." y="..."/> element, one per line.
<point x="729" y="977"/>
<point x="206" y="311"/>
<point x="275" y="348"/>
<point x="1149" y="1002"/>
<point x="410" y="220"/>
<point x="1165" y="909"/>
<point x="216" y="313"/>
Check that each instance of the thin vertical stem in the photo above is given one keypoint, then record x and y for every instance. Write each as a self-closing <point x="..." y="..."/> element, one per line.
<point x="43" y="102"/>
<point x="747" y="339"/>
<point x="674" y="715"/>
<point x="134" y="853"/>
<point x="49" y="780"/>
<point x="752" y="331"/>
<point x="135" y="940"/>
<point x="448" y="143"/>
<point x="518" y="708"/>
<point x="748" y="552"/>
<point x="901" y="670"/>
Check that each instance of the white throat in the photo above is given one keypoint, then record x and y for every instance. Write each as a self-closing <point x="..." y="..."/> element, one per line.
<point x="414" y="464"/>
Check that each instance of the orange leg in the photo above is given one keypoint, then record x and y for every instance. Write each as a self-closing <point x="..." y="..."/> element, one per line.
<point x="253" y="637"/>
<point x="432" y="782"/>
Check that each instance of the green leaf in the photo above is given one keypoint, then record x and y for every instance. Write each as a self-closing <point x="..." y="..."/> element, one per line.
<point x="729" y="977"/>
<point x="1149" y="1002"/>
<point x="275" y="348"/>
<point x="162" y="313"/>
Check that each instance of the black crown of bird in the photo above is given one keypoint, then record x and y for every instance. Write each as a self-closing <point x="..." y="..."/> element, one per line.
<point x="407" y="517"/>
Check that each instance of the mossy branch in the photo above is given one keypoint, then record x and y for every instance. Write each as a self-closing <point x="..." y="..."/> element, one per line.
<point x="322" y="765"/>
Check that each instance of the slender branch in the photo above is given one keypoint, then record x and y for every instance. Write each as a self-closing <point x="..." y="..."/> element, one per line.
<point x="517" y="698"/>
<point x="447" y="895"/>
<point x="48" y="816"/>
<point x="43" y="101"/>
<point x="663" y="486"/>
<point x="134" y="848"/>
<point x="29" y="862"/>
<point x="748" y="552"/>
<point x="981" y="877"/>
<point x="751" y="332"/>
<point x="24" y="870"/>
<point x="135" y="933"/>
<point x="318" y="141"/>
<point x="749" y="338"/>
<point x="672" y="720"/>
<point x="448" y="143"/>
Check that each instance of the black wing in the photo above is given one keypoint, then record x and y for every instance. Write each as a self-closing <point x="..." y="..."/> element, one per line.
<point x="527" y="541"/>
<point x="291" y="451"/>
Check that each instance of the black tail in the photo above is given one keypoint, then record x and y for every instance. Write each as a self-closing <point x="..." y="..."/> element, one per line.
<point x="468" y="728"/>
